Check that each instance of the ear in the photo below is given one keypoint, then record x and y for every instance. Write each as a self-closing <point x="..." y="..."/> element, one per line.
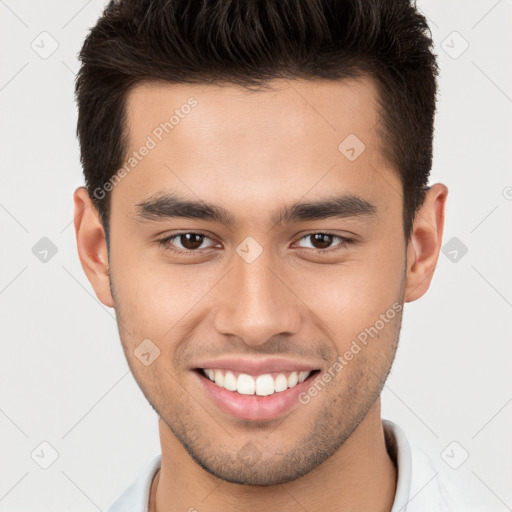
<point x="425" y="242"/>
<point x="92" y="246"/>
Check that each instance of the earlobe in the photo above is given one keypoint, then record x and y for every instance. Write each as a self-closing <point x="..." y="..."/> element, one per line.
<point x="425" y="242"/>
<point x="91" y="245"/>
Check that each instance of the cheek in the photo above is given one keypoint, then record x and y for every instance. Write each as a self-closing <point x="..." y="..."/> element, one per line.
<point x="156" y="300"/>
<point x="144" y="298"/>
<point x="351" y="296"/>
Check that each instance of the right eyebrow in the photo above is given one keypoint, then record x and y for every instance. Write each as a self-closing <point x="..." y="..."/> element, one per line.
<point x="168" y="206"/>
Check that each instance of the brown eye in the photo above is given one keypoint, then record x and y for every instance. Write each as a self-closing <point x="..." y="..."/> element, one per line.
<point x="186" y="243"/>
<point x="321" y="240"/>
<point x="191" y="241"/>
<point x="325" y="241"/>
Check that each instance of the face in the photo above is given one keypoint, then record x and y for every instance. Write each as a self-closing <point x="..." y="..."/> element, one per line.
<point x="247" y="241"/>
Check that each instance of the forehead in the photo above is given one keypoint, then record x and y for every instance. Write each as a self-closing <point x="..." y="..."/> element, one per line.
<point x="294" y="108"/>
<point x="227" y="142"/>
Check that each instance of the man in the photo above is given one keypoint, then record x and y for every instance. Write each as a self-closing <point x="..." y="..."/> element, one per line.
<point x="256" y="211"/>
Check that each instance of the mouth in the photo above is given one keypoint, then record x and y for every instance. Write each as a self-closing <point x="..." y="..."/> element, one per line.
<point x="255" y="397"/>
<point x="260" y="385"/>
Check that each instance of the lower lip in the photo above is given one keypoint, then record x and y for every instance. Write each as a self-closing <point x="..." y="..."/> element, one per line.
<point x="254" y="407"/>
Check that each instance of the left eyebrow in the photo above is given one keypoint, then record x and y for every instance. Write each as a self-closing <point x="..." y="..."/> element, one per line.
<point x="336" y="207"/>
<point x="167" y="206"/>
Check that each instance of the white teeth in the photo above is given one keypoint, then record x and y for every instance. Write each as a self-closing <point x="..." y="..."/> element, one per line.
<point x="263" y="385"/>
<point x="281" y="383"/>
<point x="303" y="376"/>
<point x="230" y="381"/>
<point x="293" y="378"/>
<point x="219" y="378"/>
<point x="245" y="384"/>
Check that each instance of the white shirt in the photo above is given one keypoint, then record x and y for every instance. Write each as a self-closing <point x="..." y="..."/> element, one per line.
<point x="420" y="488"/>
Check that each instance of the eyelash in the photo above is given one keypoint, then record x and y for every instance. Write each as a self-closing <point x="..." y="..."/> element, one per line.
<point x="166" y="243"/>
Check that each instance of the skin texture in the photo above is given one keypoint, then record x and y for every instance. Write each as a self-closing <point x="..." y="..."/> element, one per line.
<point x="254" y="153"/>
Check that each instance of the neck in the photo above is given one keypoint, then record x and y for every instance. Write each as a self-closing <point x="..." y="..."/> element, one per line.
<point x="360" y="475"/>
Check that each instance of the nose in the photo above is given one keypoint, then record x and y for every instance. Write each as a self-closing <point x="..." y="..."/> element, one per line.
<point x="256" y="302"/>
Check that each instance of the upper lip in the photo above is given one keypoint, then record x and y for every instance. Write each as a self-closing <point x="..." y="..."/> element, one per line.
<point x="252" y="366"/>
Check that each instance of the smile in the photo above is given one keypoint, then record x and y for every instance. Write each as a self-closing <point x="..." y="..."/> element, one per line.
<point x="261" y="385"/>
<point x="255" y="396"/>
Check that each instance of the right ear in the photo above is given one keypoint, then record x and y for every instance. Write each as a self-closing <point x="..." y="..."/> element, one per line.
<point x="92" y="246"/>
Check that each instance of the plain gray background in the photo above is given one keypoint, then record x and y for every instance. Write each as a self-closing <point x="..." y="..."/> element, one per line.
<point x="65" y="382"/>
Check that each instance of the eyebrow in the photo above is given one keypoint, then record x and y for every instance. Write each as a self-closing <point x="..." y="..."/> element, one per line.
<point x="168" y="206"/>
